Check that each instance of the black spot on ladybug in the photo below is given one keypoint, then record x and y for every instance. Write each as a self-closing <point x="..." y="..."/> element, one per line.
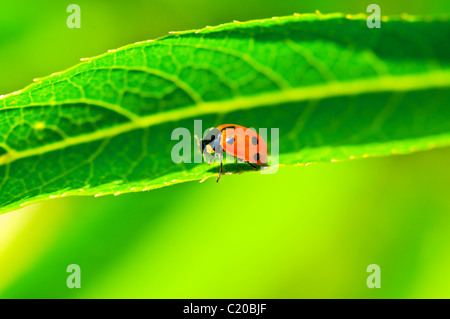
<point x="256" y="157"/>
<point x="254" y="140"/>
<point x="230" y="140"/>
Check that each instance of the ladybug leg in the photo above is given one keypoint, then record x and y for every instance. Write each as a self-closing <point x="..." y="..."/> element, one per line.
<point x="204" y="157"/>
<point x="220" y="172"/>
<point x="254" y="166"/>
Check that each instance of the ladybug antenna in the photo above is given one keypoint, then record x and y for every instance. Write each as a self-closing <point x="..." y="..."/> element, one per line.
<point x="198" y="141"/>
<point x="200" y="147"/>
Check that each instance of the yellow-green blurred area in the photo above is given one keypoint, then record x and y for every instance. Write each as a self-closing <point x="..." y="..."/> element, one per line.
<point x="307" y="231"/>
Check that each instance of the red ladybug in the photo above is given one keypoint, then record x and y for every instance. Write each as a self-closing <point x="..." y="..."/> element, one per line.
<point x="238" y="141"/>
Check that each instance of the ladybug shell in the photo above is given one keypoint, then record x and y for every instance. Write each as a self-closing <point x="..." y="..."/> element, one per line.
<point x="253" y="150"/>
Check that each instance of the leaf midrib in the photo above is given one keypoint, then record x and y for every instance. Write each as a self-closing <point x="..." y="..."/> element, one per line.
<point x="388" y="83"/>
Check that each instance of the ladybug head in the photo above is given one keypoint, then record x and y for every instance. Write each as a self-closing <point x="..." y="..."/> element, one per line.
<point x="211" y="142"/>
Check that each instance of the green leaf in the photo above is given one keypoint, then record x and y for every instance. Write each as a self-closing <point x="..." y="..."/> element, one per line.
<point x="336" y="90"/>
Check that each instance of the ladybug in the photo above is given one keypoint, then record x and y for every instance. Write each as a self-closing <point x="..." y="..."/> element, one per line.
<point x="240" y="142"/>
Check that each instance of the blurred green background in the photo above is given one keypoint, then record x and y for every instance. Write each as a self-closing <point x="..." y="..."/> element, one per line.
<point x="304" y="232"/>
